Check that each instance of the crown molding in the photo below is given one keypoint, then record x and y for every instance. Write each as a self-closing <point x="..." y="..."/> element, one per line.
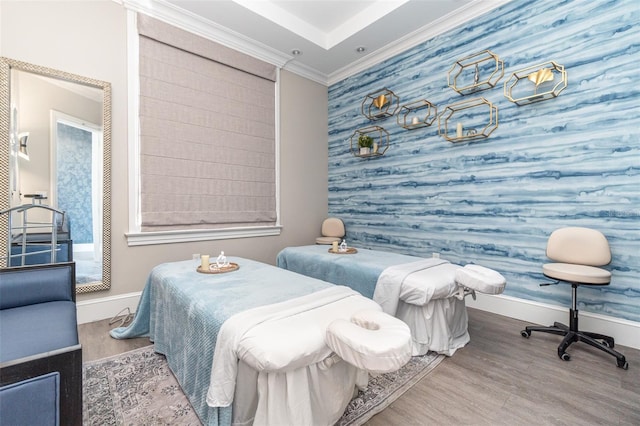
<point x="457" y="17"/>
<point x="306" y="72"/>
<point x="197" y="25"/>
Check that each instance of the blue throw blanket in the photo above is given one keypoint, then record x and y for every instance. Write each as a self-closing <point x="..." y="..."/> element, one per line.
<point x="360" y="270"/>
<point x="182" y="310"/>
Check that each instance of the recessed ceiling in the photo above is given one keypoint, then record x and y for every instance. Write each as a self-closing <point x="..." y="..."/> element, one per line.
<point x="324" y="23"/>
<point x="326" y="33"/>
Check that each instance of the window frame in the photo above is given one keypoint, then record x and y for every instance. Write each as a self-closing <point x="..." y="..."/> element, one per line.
<point x="135" y="236"/>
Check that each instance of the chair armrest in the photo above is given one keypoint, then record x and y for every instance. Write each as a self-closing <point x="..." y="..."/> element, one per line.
<point x="27" y="285"/>
<point x="68" y="362"/>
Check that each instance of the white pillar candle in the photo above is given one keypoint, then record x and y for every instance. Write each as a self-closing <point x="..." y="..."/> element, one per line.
<point x="334" y="246"/>
<point x="204" y="261"/>
<point x="459" y="130"/>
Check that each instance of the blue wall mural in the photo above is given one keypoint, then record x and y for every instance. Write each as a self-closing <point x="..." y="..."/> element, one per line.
<point x="74" y="181"/>
<point x="570" y="161"/>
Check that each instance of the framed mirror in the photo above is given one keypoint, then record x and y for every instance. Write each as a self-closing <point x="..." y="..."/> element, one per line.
<point x="55" y="151"/>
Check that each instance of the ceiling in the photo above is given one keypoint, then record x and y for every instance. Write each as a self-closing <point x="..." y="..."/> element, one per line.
<point x="326" y="34"/>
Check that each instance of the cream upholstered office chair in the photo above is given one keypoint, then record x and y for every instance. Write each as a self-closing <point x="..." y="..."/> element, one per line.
<point x="578" y="252"/>
<point x="332" y="230"/>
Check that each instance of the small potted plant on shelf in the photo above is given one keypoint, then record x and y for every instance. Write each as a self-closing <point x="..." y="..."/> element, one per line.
<point x="365" y="142"/>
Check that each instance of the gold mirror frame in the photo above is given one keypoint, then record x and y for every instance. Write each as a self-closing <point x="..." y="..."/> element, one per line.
<point x="6" y="65"/>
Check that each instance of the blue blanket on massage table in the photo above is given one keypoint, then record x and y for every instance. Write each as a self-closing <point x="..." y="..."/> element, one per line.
<point x="360" y="270"/>
<point x="182" y="310"/>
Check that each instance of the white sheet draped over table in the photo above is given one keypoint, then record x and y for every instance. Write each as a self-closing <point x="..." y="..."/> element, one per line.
<point x="423" y="299"/>
<point x="298" y="380"/>
<point x="421" y="294"/>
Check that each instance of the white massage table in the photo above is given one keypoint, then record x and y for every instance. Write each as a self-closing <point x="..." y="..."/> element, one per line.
<point x="262" y="345"/>
<point x="427" y="294"/>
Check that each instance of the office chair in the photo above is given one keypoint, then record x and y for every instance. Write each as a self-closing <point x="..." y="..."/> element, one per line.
<point x="579" y="253"/>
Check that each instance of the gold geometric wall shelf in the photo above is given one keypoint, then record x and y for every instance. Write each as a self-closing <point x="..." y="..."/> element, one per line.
<point x="381" y="104"/>
<point x="536" y="83"/>
<point x="467" y="120"/>
<point x="417" y="114"/>
<point x="380" y="141"/>
<point x="473" y="73"/>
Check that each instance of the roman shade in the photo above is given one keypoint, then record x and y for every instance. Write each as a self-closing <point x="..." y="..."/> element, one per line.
<point x="207" y="133"/>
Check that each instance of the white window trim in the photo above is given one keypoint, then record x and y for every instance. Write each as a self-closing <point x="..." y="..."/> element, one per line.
<point x="135" y="237"/>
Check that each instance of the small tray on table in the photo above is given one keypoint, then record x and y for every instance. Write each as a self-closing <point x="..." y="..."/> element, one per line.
<point x="214" y="269"/>
<point x="349" y="250"/>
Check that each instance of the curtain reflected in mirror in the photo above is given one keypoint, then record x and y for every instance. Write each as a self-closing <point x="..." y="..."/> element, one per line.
<point x="55" y="152"/>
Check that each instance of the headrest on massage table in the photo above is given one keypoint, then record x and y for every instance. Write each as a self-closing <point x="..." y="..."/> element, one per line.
<point x="481" y="279"/>
<point x="373" y="341"/>
<point x="370" y="340"/>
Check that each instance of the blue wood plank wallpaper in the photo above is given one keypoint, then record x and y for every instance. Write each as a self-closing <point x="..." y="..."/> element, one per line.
<point x="570" y="161"/>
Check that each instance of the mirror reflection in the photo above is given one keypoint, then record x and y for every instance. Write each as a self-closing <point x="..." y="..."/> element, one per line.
<point x="58" y="172"/>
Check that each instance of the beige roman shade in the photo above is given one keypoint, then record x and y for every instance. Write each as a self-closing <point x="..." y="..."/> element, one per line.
<point x="207" y="133"/>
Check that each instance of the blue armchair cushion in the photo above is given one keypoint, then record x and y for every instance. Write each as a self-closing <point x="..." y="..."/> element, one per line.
<point x="33" y="401"/>
<point x="39" y="285"/>
<point x="34" y="329"/>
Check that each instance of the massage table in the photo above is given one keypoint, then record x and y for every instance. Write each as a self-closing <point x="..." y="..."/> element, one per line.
<point x="262" y="345"/>
<point x="427" y="294"/>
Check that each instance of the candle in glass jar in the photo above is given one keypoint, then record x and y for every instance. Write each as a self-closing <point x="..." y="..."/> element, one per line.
<point x="415" y="121"/>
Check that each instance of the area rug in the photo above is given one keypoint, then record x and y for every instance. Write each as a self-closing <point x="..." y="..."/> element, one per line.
<point x="138" y="388"/>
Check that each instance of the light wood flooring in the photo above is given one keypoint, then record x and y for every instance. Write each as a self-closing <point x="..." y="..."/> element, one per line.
<point x="499" y="378"/>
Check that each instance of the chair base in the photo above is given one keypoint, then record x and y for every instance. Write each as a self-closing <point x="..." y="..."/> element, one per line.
<point x="572" y="334"/>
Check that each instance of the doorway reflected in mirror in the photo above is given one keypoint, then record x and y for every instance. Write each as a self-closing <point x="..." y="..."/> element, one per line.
<point x="78" y="151"/>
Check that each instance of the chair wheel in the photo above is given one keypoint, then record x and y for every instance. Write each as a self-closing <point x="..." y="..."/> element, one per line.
<point x="565" y="356"/>
<point x="525" y="333"/>
<point x="624" y="365"/>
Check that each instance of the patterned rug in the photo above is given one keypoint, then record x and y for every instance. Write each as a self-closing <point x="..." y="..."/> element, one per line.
<point x="138" y="388"/>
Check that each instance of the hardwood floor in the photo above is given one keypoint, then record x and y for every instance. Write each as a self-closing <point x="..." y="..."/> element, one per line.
<point x="499" y="378"/>
<point x="97" y="343"/>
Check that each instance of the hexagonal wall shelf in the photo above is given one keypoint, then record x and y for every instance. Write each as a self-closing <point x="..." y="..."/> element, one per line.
<point x="475" y="118"/>
<point x="380" y="141"/>
<point x="473" y="73"/>
<point x="417" y="114"/>
<point x="536" y="83"/>
<point x="381" y="104"/>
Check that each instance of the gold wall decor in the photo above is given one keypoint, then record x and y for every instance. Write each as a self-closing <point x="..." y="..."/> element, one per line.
<point x="468" y="120"/>
<point x="417" y="114"/>
<point x="536" y="83"/>
<point x="474" y="73"/>
<point x="381" y="104"/>
<point x="380" y="142"/>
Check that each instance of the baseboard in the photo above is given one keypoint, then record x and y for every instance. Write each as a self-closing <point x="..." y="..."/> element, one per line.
<point x="106" y="307"/>
<point x="625" y="332"/>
